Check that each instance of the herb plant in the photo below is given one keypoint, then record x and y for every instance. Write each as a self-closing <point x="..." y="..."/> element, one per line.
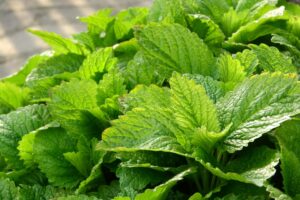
<point x="189" y="99"/>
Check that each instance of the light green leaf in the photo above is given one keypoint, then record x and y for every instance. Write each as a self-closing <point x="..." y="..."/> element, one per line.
<point x="248" y="60"/>
<point x="214" y="89"/>
<point x="277" y="194"/>
<point x="215" y="9"/>
<point x="254" y="112"/>
<point x="170" y="11"/>
<point x="15" y="125"/>
<point x="266" y="24"/>
<point x="288" y="136"/>
<point x="12" y="97"/>
<point x="206" y="29"/>
<point x="49" y="148"/>
<point x="59" y="44"/>
<point x="255" y="165"/>
<point x="20" y="77"/>
<point x="177" y="49"/>
<point x="270" y="59"/>
<point x="74" y="106"/>
<point x="112" y="84"/>
<point x="8" y="190"/>
<point x="142" y="70"/>
<point x="98" y="21"/>
<point x="231" y="72"/>
<point x="143" y="129"/>
<point x="97" y="63"/>
<point x="191" y="106"/>
<point x="125" y="20"/>
<point x="26" y="149"/>
<point x="51" y="72"/>
<point x="145" y="96"/>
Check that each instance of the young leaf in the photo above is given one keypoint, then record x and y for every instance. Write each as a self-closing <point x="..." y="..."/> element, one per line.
<point x="126" y="20"/>
<point x="231" y="72"/>
<point x="192" y="108"/>
<point x="97" y="63"/>
<point x="254" y="112"/>
<point x="177" y="49"/>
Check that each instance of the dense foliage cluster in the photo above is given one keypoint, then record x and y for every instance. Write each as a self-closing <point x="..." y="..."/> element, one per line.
<point x="189" y="99"/>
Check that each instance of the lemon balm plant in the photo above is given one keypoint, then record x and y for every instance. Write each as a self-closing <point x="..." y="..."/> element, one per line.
<point x="194" y="99"/>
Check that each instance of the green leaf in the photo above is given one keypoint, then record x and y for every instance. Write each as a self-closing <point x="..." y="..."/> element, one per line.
<point x="254" y="112"/>
<point x="270" y="59"/>
<point x="141" y="70"/>
<point x="98" y="21"/>
<point x="97" y="63"/>
<point x="134" y="180"/>
<point x="242" y="191"/>
<point x="214" y="89"/>
<point x="144" y="96"/>
<point x="170" y="11"/>
<point x="288" y="136"/>
<point x="37" y="192"/>
<point x="78" y="197"/>
<point x="112" y="84"/>
<point x="192" y="107"/>
<point x="277" y="194"/>
<point x="8" y="190"/>
<point x="206" y="29"/>
<point x="49" y="148"/>
<point x="126" y="20"/>
<point x="248" y="60"/>
<point x="59" y="44"/>
<point x="231" y="72"/>
<point x="51" y="72"/>
<point x="12" y="97"/>
<point x="101" y="28"/>
<point x="108" y="192"/>
<point x="26" y="149"/>
<point x="20" y="77"/>
<point x="254" y="165"/>
<point x="143" y="129"/>
<point x="270" y="22"/>
<point x="215" y="9"/>
<point x="160" y="192"/>
<point x="177" y="49"/>
<point x="74" y="105"/>
<point x="15" y="125"/>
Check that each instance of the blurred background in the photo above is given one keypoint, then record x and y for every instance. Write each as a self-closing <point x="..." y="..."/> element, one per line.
<point x="59" y="16"/>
